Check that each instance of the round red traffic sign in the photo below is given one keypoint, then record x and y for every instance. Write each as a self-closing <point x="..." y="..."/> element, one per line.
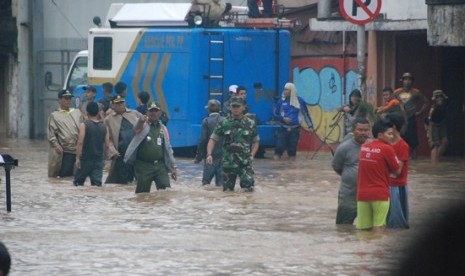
<point x="360" y="12"/>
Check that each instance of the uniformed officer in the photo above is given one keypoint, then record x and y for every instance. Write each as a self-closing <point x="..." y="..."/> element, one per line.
<point x="238" y="133"/>
<point x="151" y="152"/>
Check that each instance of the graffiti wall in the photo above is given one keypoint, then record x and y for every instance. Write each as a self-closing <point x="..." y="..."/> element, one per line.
<point x="325" y="84"/>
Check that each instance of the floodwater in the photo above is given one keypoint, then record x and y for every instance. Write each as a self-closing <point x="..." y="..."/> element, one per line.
<point x="286" y="227"/>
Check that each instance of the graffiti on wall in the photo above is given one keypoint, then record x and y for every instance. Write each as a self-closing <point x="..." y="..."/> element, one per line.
<point x="326" y="91"/>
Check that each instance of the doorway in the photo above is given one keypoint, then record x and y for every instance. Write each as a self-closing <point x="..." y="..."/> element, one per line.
<point x="453" y="84"/>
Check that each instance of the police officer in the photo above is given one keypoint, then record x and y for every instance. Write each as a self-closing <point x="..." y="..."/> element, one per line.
<point x="151" y="153"/>
<point x="63" y="133"/>
<point x="238" y="133"/>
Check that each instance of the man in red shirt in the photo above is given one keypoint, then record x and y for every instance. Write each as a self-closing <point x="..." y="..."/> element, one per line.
<point x="377" y="161"/>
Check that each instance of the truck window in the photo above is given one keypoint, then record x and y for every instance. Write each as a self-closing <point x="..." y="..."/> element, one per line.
<point x="78" y="73"/>
<point x="103" y="53"/>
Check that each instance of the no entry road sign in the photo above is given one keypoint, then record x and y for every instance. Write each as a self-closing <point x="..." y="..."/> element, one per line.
<point x="360" y="12"/>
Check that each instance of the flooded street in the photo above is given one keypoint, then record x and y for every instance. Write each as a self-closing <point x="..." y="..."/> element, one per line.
<point x="286" y="227"/>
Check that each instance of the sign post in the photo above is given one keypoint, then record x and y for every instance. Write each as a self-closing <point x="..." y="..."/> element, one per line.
<point x="360" y="12"/>
<point x="8" y="163"/>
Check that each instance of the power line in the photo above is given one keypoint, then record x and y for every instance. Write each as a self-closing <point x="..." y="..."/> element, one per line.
<point x="67" y="19"/>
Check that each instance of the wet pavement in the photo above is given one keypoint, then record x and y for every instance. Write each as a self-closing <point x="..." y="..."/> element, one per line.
<point x="286" y="227"/>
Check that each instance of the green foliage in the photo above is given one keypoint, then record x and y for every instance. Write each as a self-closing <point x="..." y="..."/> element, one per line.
<point x="368" y="110"/>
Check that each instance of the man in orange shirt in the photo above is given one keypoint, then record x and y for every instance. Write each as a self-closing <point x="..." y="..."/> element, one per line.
<point x="392" y="105"/>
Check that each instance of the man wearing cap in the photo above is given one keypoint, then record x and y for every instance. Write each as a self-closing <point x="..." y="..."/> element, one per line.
<point x="240" y="144"/>
<point x="437" y="127"/>
<point x="120" y="123"/>
<point x="232" y="94"/>
<point x="208" y="125"/>
<point x="411" y="98"/>
<point x="151" y="153"/>
<point x="63" y="133"/>
<point x="90" y="95"/>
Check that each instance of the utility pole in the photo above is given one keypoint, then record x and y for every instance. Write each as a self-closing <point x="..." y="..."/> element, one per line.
<point x="361" y="57"/>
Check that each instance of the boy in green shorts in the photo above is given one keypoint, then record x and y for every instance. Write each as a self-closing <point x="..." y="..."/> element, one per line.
<point x="377" y="161"/>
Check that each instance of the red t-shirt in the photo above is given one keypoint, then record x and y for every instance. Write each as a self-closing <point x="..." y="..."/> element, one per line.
<point x="377" y="161"/>
<point x="401" y="149"/>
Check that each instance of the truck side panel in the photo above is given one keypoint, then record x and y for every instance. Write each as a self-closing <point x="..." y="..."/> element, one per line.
<point x="259" y="60"/>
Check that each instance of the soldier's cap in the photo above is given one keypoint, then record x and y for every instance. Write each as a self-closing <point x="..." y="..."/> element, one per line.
<point x="64" y="94"/>
<point x="153" y="105"/>
<point x="118" y="99"/>
<point x="438" y="93"/>
<point x="233" y="89"/>
<point x="237" y="101"/>
<point x="407" y="75"/>
<point x="91" y="88"/>
<point x="213" y="103"/>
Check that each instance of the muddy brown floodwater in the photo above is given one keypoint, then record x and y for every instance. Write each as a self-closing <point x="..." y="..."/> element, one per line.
<point x="286" y="227"/>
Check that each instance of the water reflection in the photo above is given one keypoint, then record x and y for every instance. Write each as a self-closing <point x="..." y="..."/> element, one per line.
<point x="286" y="227"/>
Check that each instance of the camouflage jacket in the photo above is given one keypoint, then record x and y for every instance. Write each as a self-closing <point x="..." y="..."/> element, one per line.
<point x="411" y="99"/>
<point x="238" y="135"/>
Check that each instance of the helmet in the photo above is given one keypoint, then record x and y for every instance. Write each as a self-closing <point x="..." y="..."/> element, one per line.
<point x="439" y="93"/>
<point x="407" y="75"/>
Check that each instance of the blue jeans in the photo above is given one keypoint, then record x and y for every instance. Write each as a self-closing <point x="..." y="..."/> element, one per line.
<point x="213" y="170"/>
<point x="287" y="140"/>
<point x="399" y="208"/>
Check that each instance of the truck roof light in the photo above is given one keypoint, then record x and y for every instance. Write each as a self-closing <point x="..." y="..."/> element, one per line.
<point x="198" y="20"/>
<point x="97" y="21"/>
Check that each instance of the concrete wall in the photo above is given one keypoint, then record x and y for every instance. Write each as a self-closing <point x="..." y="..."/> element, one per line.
<point x="446" y="25"/>
<point x="404" y="10"/>
<point x="18" y="72"/>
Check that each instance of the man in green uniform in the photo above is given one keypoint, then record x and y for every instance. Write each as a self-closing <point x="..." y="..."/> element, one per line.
<point x="238" y="133"/>
<point x="151" y="153"/>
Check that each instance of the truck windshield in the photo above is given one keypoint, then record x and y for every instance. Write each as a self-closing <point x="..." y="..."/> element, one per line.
<point x="78" y="74"/>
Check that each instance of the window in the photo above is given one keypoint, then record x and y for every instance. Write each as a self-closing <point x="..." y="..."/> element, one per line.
<point x="78" y="74"/>
<point x="103" y="53"/>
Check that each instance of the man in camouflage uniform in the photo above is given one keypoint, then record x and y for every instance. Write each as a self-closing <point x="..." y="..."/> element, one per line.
<point x="238" y="133"/>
